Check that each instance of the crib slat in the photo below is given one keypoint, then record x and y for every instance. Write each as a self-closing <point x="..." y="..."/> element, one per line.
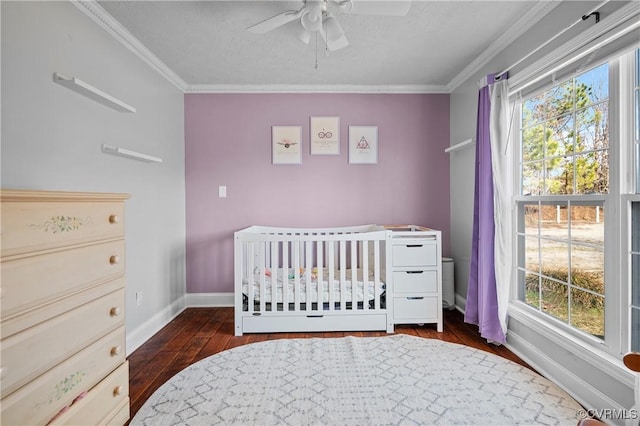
<point x="354" y="275"/>
<point x="331" y="267"/>
<point x="342" y="252"/>
<point x="307" y="274"/>
<point x="319" y="274"/>
<point x="250" y="275"/>
<point x="274" y="275"/>
<point x="364" y="255"/>
<point x="285" y="273"/>
<point x="262" y="272"/>
<point x="376" y="275"/>
<point x="296" y="275"/>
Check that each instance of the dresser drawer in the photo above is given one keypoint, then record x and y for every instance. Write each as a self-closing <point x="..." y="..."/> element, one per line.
<point x="120" y="415"/>
<point x="416" y="309"/>
<point x="106" y="403"/>
<point x="32" y="317"/>
<point x="30" y="353"/>
<point x="415" y="254"/>
<point x="34" y="225"/>
<point x="415" y="281"/>
<point x="40" y="400"/>
<point x="31" y="281"/>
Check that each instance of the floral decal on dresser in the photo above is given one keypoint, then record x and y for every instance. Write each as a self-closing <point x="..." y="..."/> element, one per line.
<point x="57" y="224"/>
<point x="65" y="385"/>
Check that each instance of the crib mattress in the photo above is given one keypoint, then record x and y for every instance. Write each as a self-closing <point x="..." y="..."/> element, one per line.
<point x="364" y="291"/>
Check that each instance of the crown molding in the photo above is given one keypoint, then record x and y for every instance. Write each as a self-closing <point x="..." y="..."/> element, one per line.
<point x="337" y="88"/>
<point x="521" y="26"/>
<point x="92" y="9"/>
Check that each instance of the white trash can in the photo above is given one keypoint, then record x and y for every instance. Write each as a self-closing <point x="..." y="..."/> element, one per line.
<point x="448" y="284"/>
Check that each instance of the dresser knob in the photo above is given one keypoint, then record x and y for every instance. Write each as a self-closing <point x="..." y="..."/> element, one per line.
<point x="115" y="311"/>
<point x="118" y="390"/>
<point x="115" y="351"/>
<point x="114" y="260"/>
<point x="114" y="218"/>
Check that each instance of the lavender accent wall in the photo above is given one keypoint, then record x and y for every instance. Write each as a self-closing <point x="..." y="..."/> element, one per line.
<point x="228" y="142"/>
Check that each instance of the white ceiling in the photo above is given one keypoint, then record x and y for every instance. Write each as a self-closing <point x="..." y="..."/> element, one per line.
<point x="204" y="45"/>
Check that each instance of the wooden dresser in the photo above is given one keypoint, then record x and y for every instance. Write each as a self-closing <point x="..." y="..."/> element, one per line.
<point x="62" y="293"/>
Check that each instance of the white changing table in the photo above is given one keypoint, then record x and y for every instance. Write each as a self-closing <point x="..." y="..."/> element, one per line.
<point x="417" y="275"/>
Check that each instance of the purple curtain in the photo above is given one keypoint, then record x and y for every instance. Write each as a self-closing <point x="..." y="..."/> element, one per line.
<point x="482" y="301"/>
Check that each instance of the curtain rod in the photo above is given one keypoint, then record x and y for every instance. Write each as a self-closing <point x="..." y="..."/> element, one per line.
<point x="582" y="18"/>
<point x="625" y="30"/>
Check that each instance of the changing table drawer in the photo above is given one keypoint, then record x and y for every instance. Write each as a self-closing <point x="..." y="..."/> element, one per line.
<point x="415" y="309"/>
<point x="419" y="281"/>
<point x="418" y="253"/>
<point x="30" y="353"/>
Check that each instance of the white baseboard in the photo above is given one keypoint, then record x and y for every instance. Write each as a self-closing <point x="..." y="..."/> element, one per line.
<point x="193" y="300"/>
<point x="135" y="338"/>
<point x="587" y="395"/>
<point x="461" y="303"/>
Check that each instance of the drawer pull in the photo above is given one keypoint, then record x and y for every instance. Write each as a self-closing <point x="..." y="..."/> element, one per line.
<point x="415" y="298"/>
<point x="118" y="390"/>
<point x="315" y="316"/>
<point x="113" y="219"/>
<point x="414" y="245"/>
<point x="414" y="272"/>
<point x="114" y="260"/>
<point x="115" y="311"/>
<point x="115" y="351"/>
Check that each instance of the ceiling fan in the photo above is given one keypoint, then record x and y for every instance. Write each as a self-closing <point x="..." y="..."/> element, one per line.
<point x="319" y="16"/>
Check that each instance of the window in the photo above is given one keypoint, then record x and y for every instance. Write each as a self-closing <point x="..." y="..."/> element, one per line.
<point x="564" y="186"/>
<point x="635" y="217"/>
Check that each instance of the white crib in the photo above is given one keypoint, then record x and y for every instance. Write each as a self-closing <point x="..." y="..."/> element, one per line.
<point x="309" y="280"/>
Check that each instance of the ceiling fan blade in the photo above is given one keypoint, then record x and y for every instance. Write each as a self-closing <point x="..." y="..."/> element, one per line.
<point x="375" y="7"/>
<point x="275" y="22"/>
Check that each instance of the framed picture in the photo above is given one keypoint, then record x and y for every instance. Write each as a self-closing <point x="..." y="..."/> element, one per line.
<point x="325" y="135"/>
<point x="363" y="144"/>
<point x="286" y="144"/>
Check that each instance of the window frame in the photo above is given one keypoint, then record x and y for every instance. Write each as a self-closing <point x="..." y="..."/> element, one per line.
<point x="631" y="183"/>
<point x="623" y="159"/>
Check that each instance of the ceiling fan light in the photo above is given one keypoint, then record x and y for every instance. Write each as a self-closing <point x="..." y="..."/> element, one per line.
<point x="338" y="43"/>
<point x="333" y="30"/>
<point x="304" y="35"/>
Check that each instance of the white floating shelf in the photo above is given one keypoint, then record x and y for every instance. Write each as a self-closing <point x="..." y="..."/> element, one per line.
<point x="91" y="92"/>
<point x="121" y="152"/>
<point x="459" y="145"/>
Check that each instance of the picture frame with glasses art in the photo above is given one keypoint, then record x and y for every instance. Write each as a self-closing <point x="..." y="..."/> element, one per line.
<point x="325" y="136"/>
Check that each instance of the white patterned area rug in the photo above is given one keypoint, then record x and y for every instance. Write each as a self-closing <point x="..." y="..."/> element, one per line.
<point x="390" y="380"/>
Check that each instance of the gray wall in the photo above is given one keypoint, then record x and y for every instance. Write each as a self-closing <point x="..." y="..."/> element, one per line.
<point x="51" y="139"/>
<point x="588" y="378"/>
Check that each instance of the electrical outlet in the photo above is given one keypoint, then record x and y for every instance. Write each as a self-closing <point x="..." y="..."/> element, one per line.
<point x="138" y="298"/>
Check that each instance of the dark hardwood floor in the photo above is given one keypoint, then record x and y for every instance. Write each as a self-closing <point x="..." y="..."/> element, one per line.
<point x="200" y="332"/>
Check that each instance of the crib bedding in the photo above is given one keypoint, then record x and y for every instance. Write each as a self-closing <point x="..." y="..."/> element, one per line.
<point x="336" y="286"/>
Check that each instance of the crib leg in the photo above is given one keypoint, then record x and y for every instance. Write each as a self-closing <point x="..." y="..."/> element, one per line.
<point x="237" y="323"/>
